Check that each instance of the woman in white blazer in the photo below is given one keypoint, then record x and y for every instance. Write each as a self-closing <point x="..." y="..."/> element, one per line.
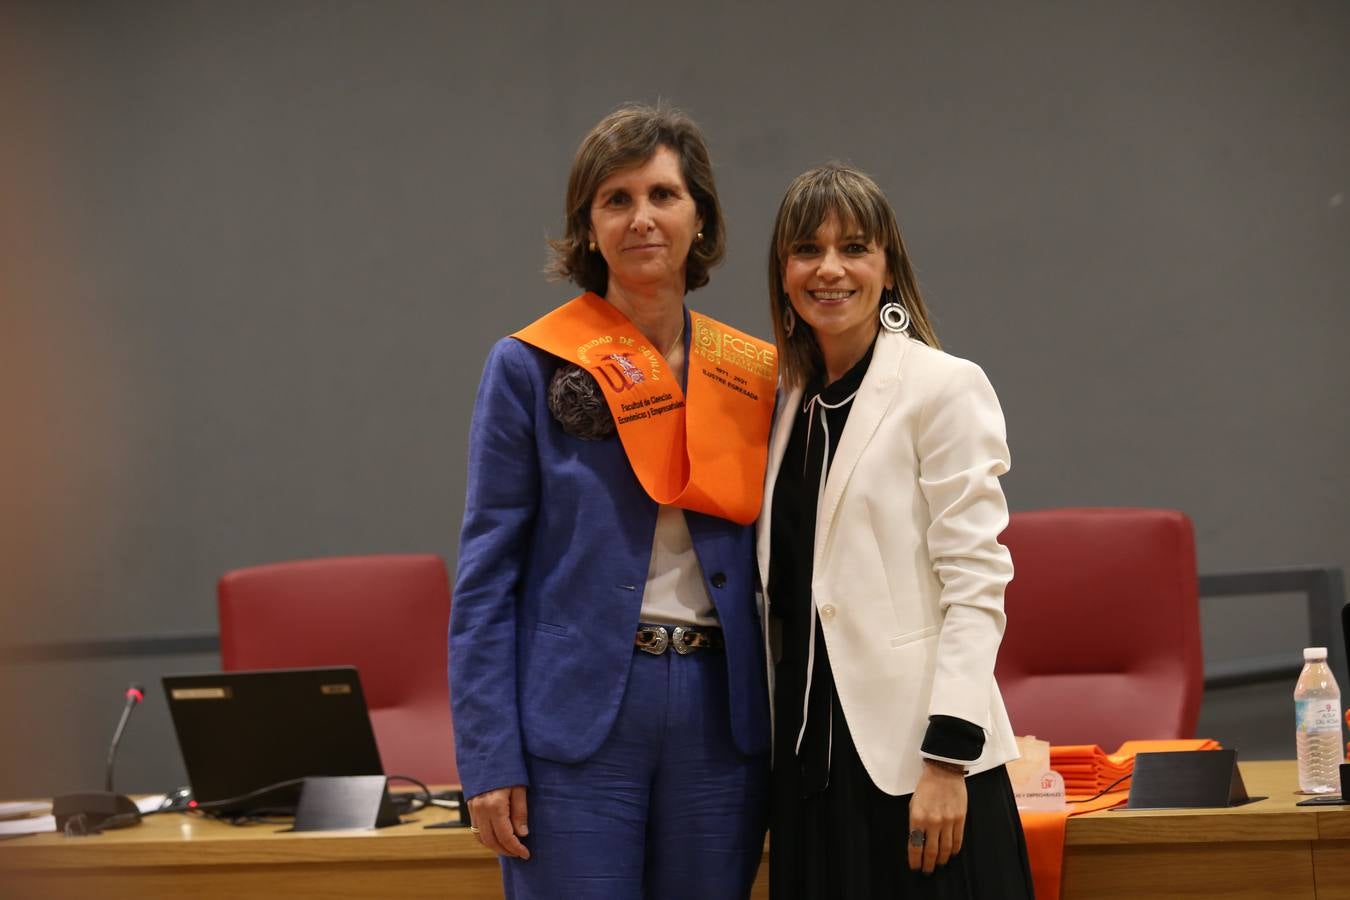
<point x="883" y="574"/>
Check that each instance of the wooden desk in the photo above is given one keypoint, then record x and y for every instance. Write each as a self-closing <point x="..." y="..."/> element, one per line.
<point x="1267" y="849"/>
<point x="180" y="855"/>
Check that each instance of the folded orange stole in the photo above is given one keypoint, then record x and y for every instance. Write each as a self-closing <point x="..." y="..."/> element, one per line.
<point x="1083" y="765"/>
<point x="712" y="463"/>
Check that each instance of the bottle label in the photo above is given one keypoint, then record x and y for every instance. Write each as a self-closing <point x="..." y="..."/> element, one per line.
<point x="1316" y="716"/>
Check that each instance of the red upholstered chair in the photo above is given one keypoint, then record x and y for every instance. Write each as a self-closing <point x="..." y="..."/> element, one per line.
<point x="387" y="615"/>
<point x="1103" y="637"/>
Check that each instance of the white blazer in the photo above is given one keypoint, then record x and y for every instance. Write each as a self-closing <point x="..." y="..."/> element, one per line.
<point x="908" y="573"/>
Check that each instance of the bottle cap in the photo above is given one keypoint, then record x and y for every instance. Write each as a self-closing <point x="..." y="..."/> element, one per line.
<point x="1314" y="653"/>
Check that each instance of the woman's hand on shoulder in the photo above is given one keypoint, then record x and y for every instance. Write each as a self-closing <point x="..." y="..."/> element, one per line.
<point x="938" y="810"/>
<point x="501" y="817"/>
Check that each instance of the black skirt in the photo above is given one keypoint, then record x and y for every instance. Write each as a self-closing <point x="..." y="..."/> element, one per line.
<point x="849" y="841"/>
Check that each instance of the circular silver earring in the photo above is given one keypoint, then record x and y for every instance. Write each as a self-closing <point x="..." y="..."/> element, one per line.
<point x="789" y="319"/>
<point x="894" y="316"/>
<point x="698" y="237"/>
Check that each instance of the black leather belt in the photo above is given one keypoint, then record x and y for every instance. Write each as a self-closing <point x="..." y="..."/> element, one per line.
<point x="656" y="639"/>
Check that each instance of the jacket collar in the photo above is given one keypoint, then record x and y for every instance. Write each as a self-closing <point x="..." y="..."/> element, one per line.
<point x="874" y="397"/>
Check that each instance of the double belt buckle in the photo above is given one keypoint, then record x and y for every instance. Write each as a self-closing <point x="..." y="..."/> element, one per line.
<point x="653" y="639"/>
<point x="680" y="640"/>
<point x="656" y="639"/>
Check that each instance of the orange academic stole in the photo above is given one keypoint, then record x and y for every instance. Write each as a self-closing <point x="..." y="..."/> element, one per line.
<point x="702" y="449"/>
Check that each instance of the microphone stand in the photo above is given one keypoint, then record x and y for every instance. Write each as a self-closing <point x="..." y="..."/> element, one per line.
<point x="94" y="811"/>
<point x="134" y="697"/>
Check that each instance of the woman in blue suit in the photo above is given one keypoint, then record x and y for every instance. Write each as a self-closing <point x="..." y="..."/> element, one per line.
<point x="606" y="667"/>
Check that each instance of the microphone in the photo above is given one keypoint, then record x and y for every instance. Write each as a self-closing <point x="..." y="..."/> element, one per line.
<point x="134" y="695"/>
<point x="94" y="811"/>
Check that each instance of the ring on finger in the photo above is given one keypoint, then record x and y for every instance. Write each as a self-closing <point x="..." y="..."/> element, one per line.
<point x="474" y="829"/>
<point x="917" y="838"/>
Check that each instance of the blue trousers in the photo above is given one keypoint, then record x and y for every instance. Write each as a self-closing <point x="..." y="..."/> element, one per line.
<point x="667" y="807"/>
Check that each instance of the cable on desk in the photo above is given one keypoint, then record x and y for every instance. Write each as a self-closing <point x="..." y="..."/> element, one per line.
<point x="208" y="807"/>
<point x="78" y="824"/>
<point x="426" y="798"/>
<point x="1104" y="791"/>
<point x="228" y="801"/>
<point x="269" y="814"/>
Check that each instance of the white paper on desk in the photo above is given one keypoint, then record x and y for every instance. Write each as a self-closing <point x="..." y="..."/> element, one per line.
<point x="23" y="808"/>
<point x="150" y="803"/>
<point x="30" y="825"/>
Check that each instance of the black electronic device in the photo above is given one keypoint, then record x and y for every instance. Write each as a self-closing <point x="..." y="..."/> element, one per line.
<point x="241" y="732"/>
<point x="1345" y="635"/>
<point x="1187" y="779"/>
<point x="354" y="802"/>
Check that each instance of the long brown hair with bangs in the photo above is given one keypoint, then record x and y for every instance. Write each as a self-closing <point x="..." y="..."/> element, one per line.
<point x="835" y="189"/>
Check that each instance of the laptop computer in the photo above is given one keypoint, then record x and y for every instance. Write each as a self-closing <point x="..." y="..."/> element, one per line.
<point x="243" y="731"/>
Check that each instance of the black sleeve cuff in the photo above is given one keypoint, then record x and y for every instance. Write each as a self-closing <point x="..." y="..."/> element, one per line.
<point x="953" y="739"/>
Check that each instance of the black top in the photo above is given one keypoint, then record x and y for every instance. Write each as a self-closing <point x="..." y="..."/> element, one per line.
<point x="818" y="426"/>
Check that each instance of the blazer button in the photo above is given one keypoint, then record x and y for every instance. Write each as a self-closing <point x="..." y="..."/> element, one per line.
<point x="827" y="612"/>
<point x="718" y="579"/>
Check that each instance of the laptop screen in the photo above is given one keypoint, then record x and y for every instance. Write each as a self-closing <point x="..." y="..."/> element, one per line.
<point x="241" y="731"/>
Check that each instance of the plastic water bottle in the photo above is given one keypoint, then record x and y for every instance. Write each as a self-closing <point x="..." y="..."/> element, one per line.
<point x="1317" y="709"/>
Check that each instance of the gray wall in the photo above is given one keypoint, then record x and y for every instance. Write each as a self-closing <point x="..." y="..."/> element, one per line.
<point x="252" y="255"/>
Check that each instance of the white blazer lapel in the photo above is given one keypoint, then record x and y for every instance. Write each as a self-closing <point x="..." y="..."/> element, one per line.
<point x="778" y="441"/>
<point x="874" y="397"/>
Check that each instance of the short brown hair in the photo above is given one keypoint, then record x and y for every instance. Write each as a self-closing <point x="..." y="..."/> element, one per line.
<point x="630" y="136"/>
<point x="835" y="189"/>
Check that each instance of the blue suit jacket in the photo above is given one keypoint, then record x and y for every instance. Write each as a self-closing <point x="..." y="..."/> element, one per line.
<point x="553" y="558"/>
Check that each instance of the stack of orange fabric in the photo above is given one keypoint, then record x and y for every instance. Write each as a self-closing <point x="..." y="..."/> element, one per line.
<point x="1087" y="771"/>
